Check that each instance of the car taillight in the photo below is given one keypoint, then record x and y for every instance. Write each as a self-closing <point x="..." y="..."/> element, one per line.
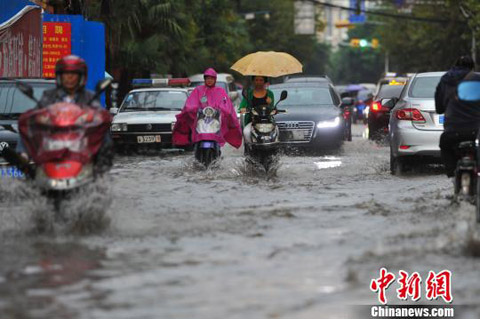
<point x="376" y="106"/>
<point x="410" y="115"/>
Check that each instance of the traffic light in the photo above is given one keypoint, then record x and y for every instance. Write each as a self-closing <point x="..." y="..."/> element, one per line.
<point x="364" y="43"/>
<point x="355" y="42"/>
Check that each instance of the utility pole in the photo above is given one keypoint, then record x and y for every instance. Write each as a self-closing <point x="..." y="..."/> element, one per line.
<point x="468" y="15"/>
<point x="387" y="62"/>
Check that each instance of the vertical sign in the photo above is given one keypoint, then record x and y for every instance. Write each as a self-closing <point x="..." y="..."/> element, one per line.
<point x="304" y="17"/>
<point x="57" y="43"/>
<point x="21" y="43"/>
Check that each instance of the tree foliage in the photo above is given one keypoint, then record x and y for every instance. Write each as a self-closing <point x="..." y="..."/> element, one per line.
<point x="421" y="46"/>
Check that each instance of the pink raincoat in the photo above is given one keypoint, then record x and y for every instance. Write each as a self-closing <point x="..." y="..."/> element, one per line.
<point x="217" y="98"/>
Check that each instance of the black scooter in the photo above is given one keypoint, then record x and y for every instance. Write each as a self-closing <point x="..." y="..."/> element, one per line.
<point x="265" y="134"/>
<point x="467" y="172"/>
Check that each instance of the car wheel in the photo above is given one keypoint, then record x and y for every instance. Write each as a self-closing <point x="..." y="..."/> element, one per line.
<point x="399" y="165"/>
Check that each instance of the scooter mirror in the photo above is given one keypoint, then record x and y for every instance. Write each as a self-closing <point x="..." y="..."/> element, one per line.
<point x="102" y="85"/>
<point x="244" y="93"/>
<point x="469" y="91"/>
<point x="25" y="89"/>
<point x="283" y="95"/>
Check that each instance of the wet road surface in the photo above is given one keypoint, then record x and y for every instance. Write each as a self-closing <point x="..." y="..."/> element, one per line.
<point x="231" y="243"/>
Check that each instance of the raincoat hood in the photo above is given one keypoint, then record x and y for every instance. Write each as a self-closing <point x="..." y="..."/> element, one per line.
<point x="210" y="72"/>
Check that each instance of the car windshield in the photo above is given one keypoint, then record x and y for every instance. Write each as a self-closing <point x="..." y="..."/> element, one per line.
<point x="223" y="85"/>
<point x="424" y="87"/>
<point x="389" y="91"/>
<point x="364" y="95"/>
<point x="305" y="96"/>
<point x="13" y="101"/>
<point x="148" y="100"/>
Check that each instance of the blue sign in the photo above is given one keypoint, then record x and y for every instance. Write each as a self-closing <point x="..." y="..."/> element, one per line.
<point x="88" y="42"/>
<point x="357" y="18"/>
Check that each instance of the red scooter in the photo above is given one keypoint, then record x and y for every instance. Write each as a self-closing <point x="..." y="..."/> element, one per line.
<point x="62" y="140"/>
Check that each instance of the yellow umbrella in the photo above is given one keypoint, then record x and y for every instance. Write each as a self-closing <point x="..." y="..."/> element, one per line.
<point x="269" y="63"/>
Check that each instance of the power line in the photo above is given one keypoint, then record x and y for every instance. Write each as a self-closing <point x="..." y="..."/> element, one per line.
<point x="381" y="13"/>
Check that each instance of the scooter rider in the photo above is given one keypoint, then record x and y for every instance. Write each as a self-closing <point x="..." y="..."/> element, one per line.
<point x="461" y="121"/>
<point x="71" y="77"/>
<point x="207" y="95"/>
<point x="257" y="96"/>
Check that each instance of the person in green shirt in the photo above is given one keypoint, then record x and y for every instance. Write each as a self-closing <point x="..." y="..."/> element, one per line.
<point x="259" y="95"/>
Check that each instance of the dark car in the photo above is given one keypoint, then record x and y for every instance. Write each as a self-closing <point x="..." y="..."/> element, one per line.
<point x="314" y="118"/>
<point x="13" y="103"/>
<point x="379" y="115"/>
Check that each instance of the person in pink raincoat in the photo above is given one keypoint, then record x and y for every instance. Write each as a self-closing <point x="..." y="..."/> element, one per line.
<point x="184" y="132"/>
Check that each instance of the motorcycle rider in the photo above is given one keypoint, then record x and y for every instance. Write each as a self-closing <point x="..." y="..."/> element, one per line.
<point x="461" y="121"/>
<point x="257" y="96"/>
<point x="211" y="95"/>
<point x="71" y="77"/>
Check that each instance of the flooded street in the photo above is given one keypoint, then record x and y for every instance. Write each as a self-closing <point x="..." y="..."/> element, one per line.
<point x="228" y="243"/>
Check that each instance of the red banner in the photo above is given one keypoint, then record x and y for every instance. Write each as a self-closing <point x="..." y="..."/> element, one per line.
<point x="57" y="43"/>
<point x="21" y="44"/>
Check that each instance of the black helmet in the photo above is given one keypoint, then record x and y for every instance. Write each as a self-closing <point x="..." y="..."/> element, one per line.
<point x="465" y="61"/>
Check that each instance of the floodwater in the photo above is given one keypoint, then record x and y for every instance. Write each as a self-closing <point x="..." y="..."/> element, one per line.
<point x="181" y="242"/>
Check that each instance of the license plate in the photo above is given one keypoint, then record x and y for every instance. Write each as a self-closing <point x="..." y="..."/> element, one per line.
<point x="299" y="135"/>
<point x="149" y="139"/>
<point x="440" y="119"/>
<point x="206" y="145"/>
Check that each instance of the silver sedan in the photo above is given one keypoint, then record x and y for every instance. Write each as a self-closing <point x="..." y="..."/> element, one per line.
<point x="415" y="127"/>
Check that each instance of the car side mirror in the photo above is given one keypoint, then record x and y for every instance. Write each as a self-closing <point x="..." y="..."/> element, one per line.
<point x="114" y="110"/>
<point x="26" y="89"/>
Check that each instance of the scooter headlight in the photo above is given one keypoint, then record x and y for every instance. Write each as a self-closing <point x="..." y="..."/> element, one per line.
<point x="264" y="127"/>
<point x="208" y="111"/>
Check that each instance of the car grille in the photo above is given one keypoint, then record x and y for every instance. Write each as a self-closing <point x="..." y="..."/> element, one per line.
<point x="291" y="131"/>
<point x="149" y="127"/>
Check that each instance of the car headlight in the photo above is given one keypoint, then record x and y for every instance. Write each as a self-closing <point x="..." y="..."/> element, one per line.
<point x="119" y="127"/>
<point x="264" y="127"/>
<point x="329" y="124"/>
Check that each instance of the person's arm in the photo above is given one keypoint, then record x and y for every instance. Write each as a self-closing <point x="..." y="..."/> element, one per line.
<point x="243" y="106"/>
<point x="271" y="100"/>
